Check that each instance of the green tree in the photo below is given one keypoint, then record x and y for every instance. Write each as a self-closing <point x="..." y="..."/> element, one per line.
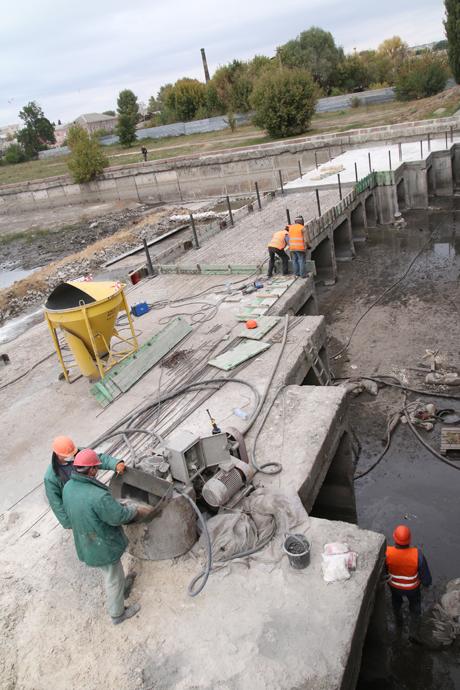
<point x="234" y="86"/>
<point x="393" y="52"/>
<point x="421" y="76"/>
<point x="316" y="51"/>
<point x="452" y="28"/>
<point x="87" y="159"/>
<point x="128" y="112"/>
<point x="353" y="73"/>
<point x="13" y="154"/>
<point x="284" y="102"/>
<point x="186" y="98"/>
<point x="111" y="113"/>
<point x="38" y="131"/>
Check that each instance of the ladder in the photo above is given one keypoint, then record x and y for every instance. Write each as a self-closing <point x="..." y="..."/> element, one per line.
<point x="312" y="356"/>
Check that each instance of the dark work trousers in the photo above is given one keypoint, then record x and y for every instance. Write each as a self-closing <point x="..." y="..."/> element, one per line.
<point x="272" y="251"/>
<point x="413" y="596"/>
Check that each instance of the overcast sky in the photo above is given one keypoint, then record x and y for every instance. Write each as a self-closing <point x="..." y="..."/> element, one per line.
<point x="74" y="58"/>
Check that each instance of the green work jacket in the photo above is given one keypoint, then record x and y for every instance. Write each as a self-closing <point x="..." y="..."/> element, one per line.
<point x="95" y="517"/>
<point x="54" y="484"/>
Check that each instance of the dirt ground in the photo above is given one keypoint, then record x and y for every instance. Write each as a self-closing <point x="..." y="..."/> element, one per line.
<point x="409" y="485"/>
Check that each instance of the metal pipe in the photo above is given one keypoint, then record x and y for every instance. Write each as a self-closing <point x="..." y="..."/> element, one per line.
<point x="195" y="236"/>
<point x="288" y="216"/>
<point x="318" y="203"/>
<point x="421" y="148"/>
<point x="149" y="258"/>
<point x="429" y="141"/>
<point x="356" y="172"/>
<point x="229" y="207"/>
<point x="370" y="162"/>
<point x="389" y="159"/>
<point x="451" y="133"/>
<point x="340" y="186"/>
<point x="281" y="181"/>
<point x="300" y="170"/>
<point x="400" y="151"/>
<point x="258" y="197"/>
<point x="447" y="143"/>
<point x="316" y="159"/>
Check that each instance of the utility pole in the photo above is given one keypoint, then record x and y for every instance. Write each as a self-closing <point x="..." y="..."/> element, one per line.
<point x="205" y="65"/>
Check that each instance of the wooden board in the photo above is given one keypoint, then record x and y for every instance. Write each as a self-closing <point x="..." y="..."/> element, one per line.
<point x="450" y="439"/>
<point x="264" y="325"/>
<point x="241" y="353"/>
<point x="122" y="376"/>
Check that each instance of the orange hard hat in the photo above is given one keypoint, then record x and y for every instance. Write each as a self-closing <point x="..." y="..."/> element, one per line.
<point x="251" y="323"/>
<point x="86" y="458"/>
<point x="402" y="535"/>
<point x="63" y="445"/>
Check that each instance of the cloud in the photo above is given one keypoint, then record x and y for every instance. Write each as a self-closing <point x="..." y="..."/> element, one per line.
<point x="76" y="58"/>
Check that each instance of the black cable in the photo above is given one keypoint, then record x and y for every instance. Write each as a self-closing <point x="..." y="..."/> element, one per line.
<point x="25" y="373"/>
<point x="385" y="292"/>
<point x="392" y="424"/>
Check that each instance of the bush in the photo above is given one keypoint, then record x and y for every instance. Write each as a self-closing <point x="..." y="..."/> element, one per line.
<point x="355" y="102"/>
<point x="87" y="160"/>
<point x="420" y="77"/>
<point x="14" y="154"/>
<point x="284" y="102"/>
<point x="378" y="85"/>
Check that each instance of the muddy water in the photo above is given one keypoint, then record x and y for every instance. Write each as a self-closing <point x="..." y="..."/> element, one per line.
<point x="409" y="486"/>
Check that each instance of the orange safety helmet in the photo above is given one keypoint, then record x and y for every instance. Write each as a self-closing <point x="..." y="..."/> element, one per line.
<point x="251" y="324"/>
<point x="86" y="458"/>
<point x="402" y="535"/>
<point x="63" y="445"/>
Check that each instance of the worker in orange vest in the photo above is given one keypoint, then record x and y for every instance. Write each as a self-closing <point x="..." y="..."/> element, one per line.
<point x="407" y="570"/>
<point x="276" y="247"/>
<point x="297" y="246"/>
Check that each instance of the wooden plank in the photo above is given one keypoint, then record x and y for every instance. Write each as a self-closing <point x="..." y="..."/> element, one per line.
<point x="264" y="325"/>
<point x="122" y="376"/>
<point x="241" y="353"/>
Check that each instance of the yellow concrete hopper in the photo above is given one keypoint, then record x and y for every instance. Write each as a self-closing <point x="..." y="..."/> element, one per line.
<point x="86" y="313"/>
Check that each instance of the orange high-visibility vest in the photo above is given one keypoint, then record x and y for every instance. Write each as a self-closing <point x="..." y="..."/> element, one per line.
<point x="296" y="241"/>
<point x="278" y="240"/>
<point x="402" y="567"/>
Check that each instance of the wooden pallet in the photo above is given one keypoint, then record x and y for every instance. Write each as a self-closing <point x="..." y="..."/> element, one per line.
<point x="450" y="439"/>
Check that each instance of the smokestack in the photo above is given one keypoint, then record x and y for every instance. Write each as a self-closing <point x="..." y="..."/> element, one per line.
<point x="205" y="65"/>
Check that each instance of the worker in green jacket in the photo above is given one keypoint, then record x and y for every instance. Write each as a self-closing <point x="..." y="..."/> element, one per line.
<point x="60" y="469"/>
<point x="96" y="519"/>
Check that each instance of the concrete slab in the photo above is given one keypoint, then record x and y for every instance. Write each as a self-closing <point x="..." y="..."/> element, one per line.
<point x="345" y="163"/>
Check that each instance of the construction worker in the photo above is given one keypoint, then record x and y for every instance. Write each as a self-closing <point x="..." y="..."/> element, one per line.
<point x="297" y="246"/>
<point x="407" y="571"/>
<point x="60" y="469"/>
<point x="276" y="247"/>
<point x="96" y="519"/>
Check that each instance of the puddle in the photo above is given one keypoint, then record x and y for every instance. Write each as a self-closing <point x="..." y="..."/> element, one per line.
<point x="14" y="327"/>
<point x="7" y="278"/>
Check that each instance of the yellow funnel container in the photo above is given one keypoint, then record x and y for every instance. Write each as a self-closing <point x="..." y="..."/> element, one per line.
<point x="86" y="313"/>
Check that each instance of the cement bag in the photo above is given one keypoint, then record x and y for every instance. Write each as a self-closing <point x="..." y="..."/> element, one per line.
<point x="436" y="630"/>
<point x="287" y="509"/>
<point x="450" y="602"/>
<point x="230" y="533"/>
<point x="453" y="584"/>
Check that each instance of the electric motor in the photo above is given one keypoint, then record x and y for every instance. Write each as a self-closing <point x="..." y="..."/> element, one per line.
<point x="226" y="482"/>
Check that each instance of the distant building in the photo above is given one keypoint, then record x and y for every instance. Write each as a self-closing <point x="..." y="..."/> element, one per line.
<point x="95" y="121"/>
<point x="60" y="133"/>
<point x="8" y="136"/>
<point x="422" y="47"/>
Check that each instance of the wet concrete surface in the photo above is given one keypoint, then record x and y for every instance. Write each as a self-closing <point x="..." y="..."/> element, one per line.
<point x="409" y="485"/>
